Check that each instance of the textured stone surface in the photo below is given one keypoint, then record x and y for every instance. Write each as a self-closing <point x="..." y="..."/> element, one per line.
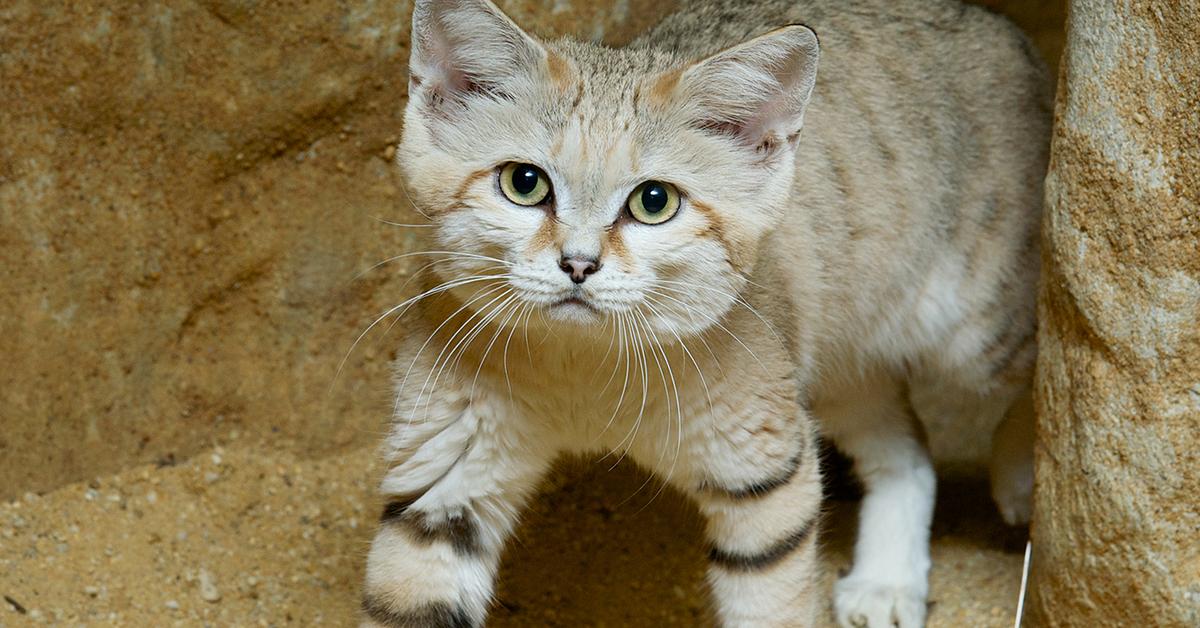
<point x="1117" y="523"/>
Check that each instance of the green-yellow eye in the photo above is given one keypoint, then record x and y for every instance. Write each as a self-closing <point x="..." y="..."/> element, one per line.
<point x="524" y="184"/>
<point x="653" y="202"/>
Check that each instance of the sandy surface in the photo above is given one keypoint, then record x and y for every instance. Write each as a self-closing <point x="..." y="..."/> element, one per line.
<point x="242" y="535"/>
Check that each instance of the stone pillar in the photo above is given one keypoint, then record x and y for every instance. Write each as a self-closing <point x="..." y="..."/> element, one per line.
<point x="1116" y="531"/>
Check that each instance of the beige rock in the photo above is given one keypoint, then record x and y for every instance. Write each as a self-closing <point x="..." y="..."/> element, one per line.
<point x="1117" y="522"/>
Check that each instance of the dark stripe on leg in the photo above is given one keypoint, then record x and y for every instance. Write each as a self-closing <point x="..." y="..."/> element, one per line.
<point x="734" y="561"/>
<point x="395" y="509"/>
<point x="438" y="615"/>
<point x="458" y="529"/>
<point x="758" y="489"/>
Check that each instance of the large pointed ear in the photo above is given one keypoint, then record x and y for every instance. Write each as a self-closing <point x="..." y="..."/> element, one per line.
<point x="462" y="48"/>
<point x="756" y="91"/>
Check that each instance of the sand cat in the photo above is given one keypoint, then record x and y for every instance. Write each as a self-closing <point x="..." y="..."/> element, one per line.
<point x="758" y="224"/>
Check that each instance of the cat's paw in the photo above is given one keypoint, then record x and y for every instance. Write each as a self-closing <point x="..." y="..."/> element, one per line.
<point x="863" y="603"/>
<point x="1016" y="506"/>
<point x="1012" y="490"/>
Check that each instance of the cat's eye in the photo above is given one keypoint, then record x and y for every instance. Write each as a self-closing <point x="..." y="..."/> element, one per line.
<point x="524" y="184"/>
<point x="653" y="202"/>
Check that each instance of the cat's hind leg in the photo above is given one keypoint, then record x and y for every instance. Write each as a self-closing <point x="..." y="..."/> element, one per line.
<point x="888" y="583"/>
<point x="1011" y="466"/>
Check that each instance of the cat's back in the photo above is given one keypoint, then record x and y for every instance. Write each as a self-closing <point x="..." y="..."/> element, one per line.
<point x="915" y="94"/>
<point x="924" y="145"/>
<point x="913" y="53"/>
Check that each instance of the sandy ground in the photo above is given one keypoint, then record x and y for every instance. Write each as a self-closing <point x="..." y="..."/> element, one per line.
<point x="242" y="535"/>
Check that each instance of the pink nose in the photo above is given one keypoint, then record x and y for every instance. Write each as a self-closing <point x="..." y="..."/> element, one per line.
<point x="578" y="267"/>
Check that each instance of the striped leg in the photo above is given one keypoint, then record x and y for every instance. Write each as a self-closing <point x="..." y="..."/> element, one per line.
<point x="434" y="558"/>
<point x="762" y="530"/>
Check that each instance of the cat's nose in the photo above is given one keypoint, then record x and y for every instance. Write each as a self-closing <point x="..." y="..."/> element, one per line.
<point x="578" y="267"/>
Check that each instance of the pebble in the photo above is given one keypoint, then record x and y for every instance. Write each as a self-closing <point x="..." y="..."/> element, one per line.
<point x="172" y="604"/>
<point x="211" y="477"/>
<point x="91" y="590"/>
<point x="208" y="587"/>
<point x="152" y="497"/>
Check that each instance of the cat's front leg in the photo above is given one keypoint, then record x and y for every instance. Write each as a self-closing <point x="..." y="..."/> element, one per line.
<point x="888" y="583"/>
<point x="452" y="499"/>
<point x="761" y="495"/>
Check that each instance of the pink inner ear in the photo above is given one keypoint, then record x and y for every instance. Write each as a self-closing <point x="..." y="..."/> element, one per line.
<point x="759" y="130"/>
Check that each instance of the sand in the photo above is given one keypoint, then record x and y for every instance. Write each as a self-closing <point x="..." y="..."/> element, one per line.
<point x="242" y="535"/>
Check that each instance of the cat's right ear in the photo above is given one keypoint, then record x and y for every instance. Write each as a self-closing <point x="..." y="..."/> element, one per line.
<point x="465" y="48"/>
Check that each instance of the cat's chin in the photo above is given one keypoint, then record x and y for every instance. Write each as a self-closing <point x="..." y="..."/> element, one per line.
<point x="574" y="310"/>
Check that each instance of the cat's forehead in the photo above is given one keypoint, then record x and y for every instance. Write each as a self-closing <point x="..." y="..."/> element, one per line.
<point x="605" y="82"/>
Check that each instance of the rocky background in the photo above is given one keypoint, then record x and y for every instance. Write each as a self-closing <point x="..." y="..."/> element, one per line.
<point x="1117" y="517"/>
<point x="192" y="197"/>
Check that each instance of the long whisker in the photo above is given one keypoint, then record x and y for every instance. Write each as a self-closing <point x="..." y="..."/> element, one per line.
<point x="477" y="296"/>
<point x="401" y="224"/>
<point x="409" y="198"/>
<point x="453" y="255"/>
<point x="448" y="348"/>
<point x="449" y="285"/>
<point x="668" y="307"/>
<point x="621" y="350"/>
<point x="524" y="314"/>
<point x="655" y="343"/>
<point x="650" y="303"/>
<point x="722" y="327"/>
<point x="483" y="313"/>
<point x="736" y="298"/>
<point x="515" y="306"/>
<point x="644" y="370"/>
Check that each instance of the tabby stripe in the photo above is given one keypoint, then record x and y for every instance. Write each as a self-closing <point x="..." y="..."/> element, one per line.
<point x="1016" y="350"/>
<point x="761" y="488"/>
<point x="435" y="615"/>
<point x="734" y="561"/>
<point x="459" y="530"/>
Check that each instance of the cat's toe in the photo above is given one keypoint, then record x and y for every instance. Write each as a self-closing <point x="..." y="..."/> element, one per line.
<point x="863" y="603"/>
<point x="1013" y="494"/>
<point x="1016" y="511"/>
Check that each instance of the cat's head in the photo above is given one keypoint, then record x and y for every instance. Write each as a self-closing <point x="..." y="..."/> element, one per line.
<point x="591" y="181"/>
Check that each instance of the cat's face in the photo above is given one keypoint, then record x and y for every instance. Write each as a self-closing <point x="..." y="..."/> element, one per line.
<point x="597" y="185"/>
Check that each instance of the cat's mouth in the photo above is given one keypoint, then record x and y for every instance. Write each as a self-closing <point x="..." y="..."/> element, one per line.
<point x="575" y="301"/>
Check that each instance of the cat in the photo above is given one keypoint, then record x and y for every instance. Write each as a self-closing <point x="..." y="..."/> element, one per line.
<point x="705" y="251"/>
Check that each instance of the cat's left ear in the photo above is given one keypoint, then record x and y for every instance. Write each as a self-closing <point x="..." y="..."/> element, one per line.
<point x="468" y="47"/>
<point x="758" y="90"/>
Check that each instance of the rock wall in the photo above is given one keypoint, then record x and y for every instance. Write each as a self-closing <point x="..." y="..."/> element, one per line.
<point x="1116" y="533"/>
<point x="188" y="193"/>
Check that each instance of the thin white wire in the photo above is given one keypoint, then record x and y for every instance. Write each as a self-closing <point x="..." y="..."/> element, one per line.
<point x="1024" y="583"/>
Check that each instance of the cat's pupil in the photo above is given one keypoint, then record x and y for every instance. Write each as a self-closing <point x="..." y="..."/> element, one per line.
<point x="654" y="198"/>
<point x="524" y="179"/>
